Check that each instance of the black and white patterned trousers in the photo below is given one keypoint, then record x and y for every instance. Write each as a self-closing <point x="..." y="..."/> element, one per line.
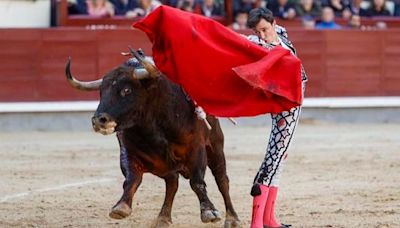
<point x="283" y="127"/>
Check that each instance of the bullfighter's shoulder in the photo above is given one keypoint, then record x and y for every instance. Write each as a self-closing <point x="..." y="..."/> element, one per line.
<point x="281" y="31"/>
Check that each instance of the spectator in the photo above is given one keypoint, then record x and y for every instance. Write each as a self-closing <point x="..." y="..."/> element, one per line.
<point x="328" y="19"/>
<point x="341" y="8"/>
<point x="356" y="7"/>
<point x="243" y="5"/>
<point x="355" y="22"/>
<point x="396" y="8"/>
<point x="381" y="25"/>
<point x="210" y="8"/>
<point x="308" y="22"/>
<point x="100" y="8"/>
<point x="282" y="9"/>
<point x="308" y="8"/>
<point x="172" y="3"/>
<point x="145" y="7"/>
<point x="122" y="7"/>
<point x="377" y="8"/>
<point x="240" y="21"/>
<point x="77" y="7"/>
<point x="186" y="5"/>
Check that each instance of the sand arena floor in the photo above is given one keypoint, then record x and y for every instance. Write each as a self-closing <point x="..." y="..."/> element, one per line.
<point x="345" y="175"/>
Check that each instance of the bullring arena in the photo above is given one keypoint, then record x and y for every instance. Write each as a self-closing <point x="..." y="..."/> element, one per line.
<point x="338" y="175"/>
<point x="343" y="168"/>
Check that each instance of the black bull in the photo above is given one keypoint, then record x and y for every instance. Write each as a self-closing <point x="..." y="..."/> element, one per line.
<point x="158" y="132"/>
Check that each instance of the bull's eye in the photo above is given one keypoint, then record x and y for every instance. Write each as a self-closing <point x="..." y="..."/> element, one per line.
<point x="125" y="92"/>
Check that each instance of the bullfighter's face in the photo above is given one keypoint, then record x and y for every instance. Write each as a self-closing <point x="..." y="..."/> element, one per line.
<point x="266" y="31"/>
<point x="122" y="99"/>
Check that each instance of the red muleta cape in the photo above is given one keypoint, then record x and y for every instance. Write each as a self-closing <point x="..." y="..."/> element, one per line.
<point x="222" y="71"/>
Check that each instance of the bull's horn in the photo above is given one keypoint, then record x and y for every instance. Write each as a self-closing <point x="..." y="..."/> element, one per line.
<point x="150" y="67"/>
<point x="141" y="74"/>
<point x="87" y="86"/>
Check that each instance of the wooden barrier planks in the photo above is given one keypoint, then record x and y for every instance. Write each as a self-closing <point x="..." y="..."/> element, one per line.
<point x="338" y="63"/>
<point x="390" y="63"/>
<point x="353" y="63"/>
<point x="310" y="46"/>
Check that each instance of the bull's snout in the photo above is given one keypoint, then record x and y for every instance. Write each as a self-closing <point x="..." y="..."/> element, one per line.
<point x="101" y="119"/>
<point x="103" y="123"/>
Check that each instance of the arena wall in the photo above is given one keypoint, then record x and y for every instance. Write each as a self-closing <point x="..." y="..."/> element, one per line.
<point x="339" y="63"/>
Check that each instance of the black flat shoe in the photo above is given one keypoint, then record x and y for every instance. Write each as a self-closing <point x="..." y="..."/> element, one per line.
<point x="282" y="226"/>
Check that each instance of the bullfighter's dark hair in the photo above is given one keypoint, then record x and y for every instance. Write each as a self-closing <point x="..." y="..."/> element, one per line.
<point x="257" y="14"/>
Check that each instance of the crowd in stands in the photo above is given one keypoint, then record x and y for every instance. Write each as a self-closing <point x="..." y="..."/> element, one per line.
<point x="314" y="14"/>
<point x="321" y="14"/>
<point x="140" y="8"/>
<point x="108" y="8"/>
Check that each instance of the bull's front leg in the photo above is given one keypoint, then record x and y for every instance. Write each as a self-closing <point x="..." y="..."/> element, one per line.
<point x="207" y="209"/>
<point x="171" y="187"/>
<point x="133" y="178"/>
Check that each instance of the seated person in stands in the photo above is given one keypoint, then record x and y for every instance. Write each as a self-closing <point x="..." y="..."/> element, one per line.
<point x="341" y="8"/>
<point x="377" y="8"/>
<point x="308" y="22"/>
<point x="240" y="21"/>
<point x="308" y="8"/>
<point x="144" y="9"/>
<point x="356" y="8"/>
<point x="77" y="7"/>
<point x="327" y="19"/>
<point x="243" y="5"/>
<point x="186" y="5"/>
<point x="380" y="25"/>
<point x="396" y="8"/>
<point x="100" y="8"/>
<point x="282" y="9"/>
<point x="122" y="7"/>
<point x="355" y="22"/>
<point x="210" y="8"/>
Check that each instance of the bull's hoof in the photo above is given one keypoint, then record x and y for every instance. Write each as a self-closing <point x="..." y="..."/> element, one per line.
<point x="161" y="222"/>
<point x="232" y="223"/>
<point x="210" y="216"/>
<point x="120" y="211"/>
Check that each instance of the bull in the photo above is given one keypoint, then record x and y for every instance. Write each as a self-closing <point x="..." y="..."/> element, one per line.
<point x="158" y="132"/>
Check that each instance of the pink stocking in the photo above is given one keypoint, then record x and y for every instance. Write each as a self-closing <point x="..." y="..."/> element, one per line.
<point x="259" y="202"/>
<point x="269" y="212"/>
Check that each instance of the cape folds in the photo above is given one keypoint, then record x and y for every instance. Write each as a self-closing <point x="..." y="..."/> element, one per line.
<point x="222" y="71"/>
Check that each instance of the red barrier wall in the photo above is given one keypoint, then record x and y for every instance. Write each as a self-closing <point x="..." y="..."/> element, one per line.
<point x="339" y="63"/>
<point x="350" y="63"/>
